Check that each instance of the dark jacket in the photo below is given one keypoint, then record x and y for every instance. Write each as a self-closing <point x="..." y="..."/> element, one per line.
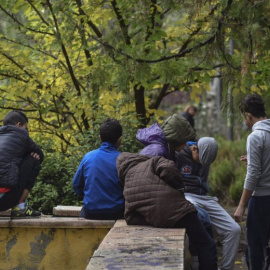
<point x="194" y="175"/>
<point x="15" y="143"/>
<point x="189" y="118"/>
<point x="152" y="190"/>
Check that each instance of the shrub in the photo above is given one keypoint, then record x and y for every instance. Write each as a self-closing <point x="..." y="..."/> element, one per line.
<point x="227" y="173"/>
<point x="54" y="183"/>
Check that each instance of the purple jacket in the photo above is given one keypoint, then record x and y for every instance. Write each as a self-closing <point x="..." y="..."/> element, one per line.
<point x="154" y="140"/>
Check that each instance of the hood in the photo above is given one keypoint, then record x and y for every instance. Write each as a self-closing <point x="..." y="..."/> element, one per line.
<point x="177" y="131"/>
<point x="262" y="125"/>
<point x="208" y="149"/>
<point x="125" y="161"/>
<point x="151" y="135"/>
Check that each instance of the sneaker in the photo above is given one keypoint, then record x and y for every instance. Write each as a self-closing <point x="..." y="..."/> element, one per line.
<point x="27" y="212"/>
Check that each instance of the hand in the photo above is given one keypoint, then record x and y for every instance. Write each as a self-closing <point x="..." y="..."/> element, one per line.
<point x="244" y="159"/>
<point x="239" y="212"/>
<point x="35" y="155"/>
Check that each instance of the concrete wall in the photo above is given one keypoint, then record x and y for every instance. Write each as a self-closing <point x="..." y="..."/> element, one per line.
<point x="49" y="243"/>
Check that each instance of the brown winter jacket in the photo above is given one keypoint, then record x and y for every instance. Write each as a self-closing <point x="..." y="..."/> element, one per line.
<point x="152" y="190"/>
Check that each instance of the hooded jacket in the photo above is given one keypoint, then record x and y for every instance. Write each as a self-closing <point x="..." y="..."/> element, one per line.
<point x="195" y="175"/>
<point x="162" y="141"/>
<point x="154" y="140"/>
<point x="258" y="159"/>
<point x="152" y="190"/>
<point x="15" y="143"/>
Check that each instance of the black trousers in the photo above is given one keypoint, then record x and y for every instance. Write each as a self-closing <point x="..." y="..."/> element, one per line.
<point x="28" y="172"/>
<point x="258" y="233"/>
<point x="102" y="216"/>
<point x="202" y="243"/>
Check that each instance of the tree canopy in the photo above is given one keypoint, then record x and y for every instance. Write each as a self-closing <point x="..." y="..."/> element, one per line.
<point x="65" y="62"/>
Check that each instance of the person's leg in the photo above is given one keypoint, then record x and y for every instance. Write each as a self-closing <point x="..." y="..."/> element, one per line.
<point x="200" y="240"/>
<point x="202" y="214"/>
<point x="28" y="172"/>
<point x="102" y="216"/>
<point x="258" y="223"/>
<point x="226" y="228"/>
<point x="9" y="200"/>
<point x="205" y="219"/>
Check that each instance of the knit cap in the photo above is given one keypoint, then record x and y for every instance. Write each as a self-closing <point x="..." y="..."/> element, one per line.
<point x="177" y="131"/>
<point x="208" y="149"/>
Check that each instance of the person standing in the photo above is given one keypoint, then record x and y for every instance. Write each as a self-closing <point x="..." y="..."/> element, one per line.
<point x="256" y="192"/>
<point x="189" y="113"/>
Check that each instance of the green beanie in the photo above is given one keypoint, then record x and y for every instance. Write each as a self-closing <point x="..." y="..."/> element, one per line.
<point x="177" y="131"/>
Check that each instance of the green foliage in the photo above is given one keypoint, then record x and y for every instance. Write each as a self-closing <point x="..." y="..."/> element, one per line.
<point x="54" y="184"/>
<point x="228" y="173"/>
<point x="66" y="61"/>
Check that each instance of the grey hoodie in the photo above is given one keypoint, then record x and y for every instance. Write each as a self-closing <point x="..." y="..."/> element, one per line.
<point x="258" y="158"/>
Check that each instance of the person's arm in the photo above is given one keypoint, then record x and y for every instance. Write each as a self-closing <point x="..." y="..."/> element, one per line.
<point x="253" y="159"/>
<point x="78" y="181"/>
<point x="169" y="173"/>
<point x="135" y="218"/>
<point x="33" y="149"/>
<point x="238" y="215"/>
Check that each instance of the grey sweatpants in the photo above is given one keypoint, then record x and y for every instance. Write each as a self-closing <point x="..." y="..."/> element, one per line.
<point x="228" y="230"/>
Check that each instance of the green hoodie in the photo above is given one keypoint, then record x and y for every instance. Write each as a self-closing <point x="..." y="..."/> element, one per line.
<point x="177" y="131"/>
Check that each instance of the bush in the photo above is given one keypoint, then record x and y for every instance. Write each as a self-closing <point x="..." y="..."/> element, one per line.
<point x="54" y="183"/>
<point x="227" y="173"/>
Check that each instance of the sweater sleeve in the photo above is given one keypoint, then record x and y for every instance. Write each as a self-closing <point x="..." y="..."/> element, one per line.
<point x="31" y="146"/>
<point x="78" y="181"/>
<point x="168" y="172"/>
<point x="254" y="156"/>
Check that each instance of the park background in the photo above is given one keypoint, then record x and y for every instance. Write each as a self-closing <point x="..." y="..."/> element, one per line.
<point x="69" y="64"/>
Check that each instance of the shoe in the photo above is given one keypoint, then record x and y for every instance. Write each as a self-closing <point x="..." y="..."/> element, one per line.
<point x="27" y="212"/>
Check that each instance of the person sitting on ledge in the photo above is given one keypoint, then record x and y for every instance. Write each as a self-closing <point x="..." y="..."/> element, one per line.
<point x="96" y="179"/>
<point x="153" y="191"/>
<point x="20" y="161"/>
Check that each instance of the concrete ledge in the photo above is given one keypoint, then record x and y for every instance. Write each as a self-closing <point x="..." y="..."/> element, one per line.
<point x="5" y="213"/>
<point x="66" y="211"/>
<point x="140" y="247"/>
<point x="55" y="222"/>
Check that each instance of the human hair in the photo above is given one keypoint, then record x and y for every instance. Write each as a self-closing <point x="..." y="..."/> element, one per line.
<point x="188" y="107"/>
<point x="254" y="105"/>
<point x="110" y="130"/>
<point x="15" y="117"/>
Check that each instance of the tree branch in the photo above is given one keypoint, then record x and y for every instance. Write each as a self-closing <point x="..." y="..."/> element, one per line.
<point x="121" y="22"/>
<point x="82" y="34"/>
<point x="13" y="17"/>
<point x="38" y="13"/>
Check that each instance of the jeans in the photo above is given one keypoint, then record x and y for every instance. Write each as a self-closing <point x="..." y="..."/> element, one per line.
<point x="204" y="219"/>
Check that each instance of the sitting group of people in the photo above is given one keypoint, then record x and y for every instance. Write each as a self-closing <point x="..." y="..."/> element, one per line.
<point x="165" y="185"/>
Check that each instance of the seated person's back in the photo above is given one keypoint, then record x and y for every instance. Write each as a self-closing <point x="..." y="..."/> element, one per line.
<point x="96" y="179"/>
